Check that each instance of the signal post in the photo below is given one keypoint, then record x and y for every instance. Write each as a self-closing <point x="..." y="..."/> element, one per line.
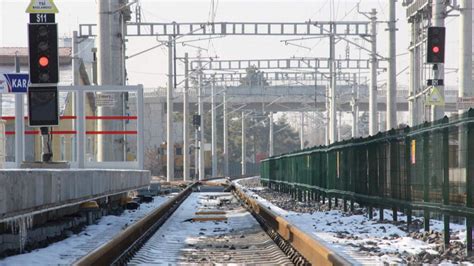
<point x="43" y="109"/>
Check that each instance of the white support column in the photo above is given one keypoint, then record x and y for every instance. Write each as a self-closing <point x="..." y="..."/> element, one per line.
<point x="439" y="14"/>
<point x="79" y="111"/>
<point x="140" y="129"/>
<point x="225" y="137"/>
<point x="169" y="115"/>
<point x="213" y="129"/>
<point x="81" y="129"/>
<point x="465" y="68"/>
<point x="332" y="96"/>
<point x="465" y="54"/>
<point x="202" y="173"/>
<point x="270" y="153"/>
<point x="302" y="131"/>
<point x="244" y="150"/>
<point x="373" y="125"/>
<point x="19" y="122"/>
<point x="110" y="72"/>
<point x="392" y="68"/>
<point x="186" y="159"/>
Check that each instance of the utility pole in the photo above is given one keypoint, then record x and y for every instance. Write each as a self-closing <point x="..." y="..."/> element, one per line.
<point x="270" y="153"/>
<point x="355" y="111"/>
<point x="186" y="158"/>
<point x="392" y="68"/>
<point x="439" y="14"/>
<point x="226" y="135"/>
<point x="213" y="128"/>
<point x="373" y="126"/>
<point x="465" y="68"/>
<point x="169" y="115"/>
<point x="19" y="121"/>
<point x="332" y="99"/>
<point x="244" y="150"/>
<point x="111" y="72"/>
<point x="465" y="55"/>
<point x="202" y="140"/>
<point x="414" y="72"/>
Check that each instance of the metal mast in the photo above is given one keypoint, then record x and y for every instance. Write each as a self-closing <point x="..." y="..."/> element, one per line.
<point x="169" y="115"/>
<point x="392" y="68"/>
<point x="186" y="157"/>
<point x="373" y="126"/>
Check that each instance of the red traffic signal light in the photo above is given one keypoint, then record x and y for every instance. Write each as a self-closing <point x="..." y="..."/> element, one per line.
<point x="436" y="45"/>
<point x="43" y="61"/>
<point x="43" y="53"/>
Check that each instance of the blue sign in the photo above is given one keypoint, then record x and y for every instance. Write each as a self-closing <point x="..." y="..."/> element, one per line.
<point x="17" y="82"/>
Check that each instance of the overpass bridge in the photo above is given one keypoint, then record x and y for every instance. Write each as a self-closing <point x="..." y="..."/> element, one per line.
<point x="292" y="98"/>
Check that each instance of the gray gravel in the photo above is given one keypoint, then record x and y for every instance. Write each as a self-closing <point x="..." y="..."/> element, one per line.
<point x="456" y="253"/>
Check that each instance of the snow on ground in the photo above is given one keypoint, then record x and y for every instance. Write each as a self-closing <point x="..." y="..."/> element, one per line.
<point x="72" y="248"/>
<point x="382" y="242"/>
<point x="179" y="233"/>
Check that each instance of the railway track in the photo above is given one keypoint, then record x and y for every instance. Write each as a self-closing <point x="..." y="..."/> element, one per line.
<point x="200" y="226"/>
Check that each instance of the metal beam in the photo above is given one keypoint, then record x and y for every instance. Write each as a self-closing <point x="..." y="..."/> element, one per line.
<point x="308" y="28"/>
<point x="279" y="76"/>
<point x="287" y="63"/>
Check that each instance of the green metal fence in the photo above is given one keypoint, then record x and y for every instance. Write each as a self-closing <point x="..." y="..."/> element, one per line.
<point x="429" y="168"/>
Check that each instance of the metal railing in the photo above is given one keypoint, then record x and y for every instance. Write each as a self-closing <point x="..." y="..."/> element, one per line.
<point x="79" y="132"/>
<point x="428" y="168"/>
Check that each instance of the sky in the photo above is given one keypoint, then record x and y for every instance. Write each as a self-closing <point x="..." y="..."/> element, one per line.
<point x="150" y="68"/>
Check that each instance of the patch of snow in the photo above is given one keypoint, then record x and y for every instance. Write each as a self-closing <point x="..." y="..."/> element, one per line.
<point x="178" y="232"/>
<point x="74" y="247"/>
<point x="343" y="231"/>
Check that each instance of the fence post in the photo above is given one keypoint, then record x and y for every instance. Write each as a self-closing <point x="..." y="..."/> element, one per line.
<point x="393" y="151"/>
<point x="445" y="160"/>
<point x="469" y="180"/>
<point x="381" y="180"/>
<point x="373" y="173"/>
<point x="408" y="176"/>
<point x="426" y="180"/>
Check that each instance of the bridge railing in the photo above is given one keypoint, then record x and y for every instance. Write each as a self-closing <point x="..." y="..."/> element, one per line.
<point x="428" y="169"/>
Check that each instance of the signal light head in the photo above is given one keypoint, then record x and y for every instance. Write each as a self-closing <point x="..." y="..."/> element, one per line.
<point x="43" y="61"/>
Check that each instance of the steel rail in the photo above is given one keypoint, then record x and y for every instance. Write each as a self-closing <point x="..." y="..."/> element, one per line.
<point x="115" y="249"/>
<point x="313" y="251"/>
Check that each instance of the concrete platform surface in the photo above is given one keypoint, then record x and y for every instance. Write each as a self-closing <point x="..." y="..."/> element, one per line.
<point x="29" y="190"/>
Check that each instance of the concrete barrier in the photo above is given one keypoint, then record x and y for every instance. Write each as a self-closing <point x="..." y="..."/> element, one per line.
<point x="25" y="191"/>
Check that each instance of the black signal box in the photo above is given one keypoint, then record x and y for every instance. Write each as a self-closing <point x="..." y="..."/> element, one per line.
<point x="43" y="53"/>
<point x="43" y="107"/>
<point x="436" y="45"/>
